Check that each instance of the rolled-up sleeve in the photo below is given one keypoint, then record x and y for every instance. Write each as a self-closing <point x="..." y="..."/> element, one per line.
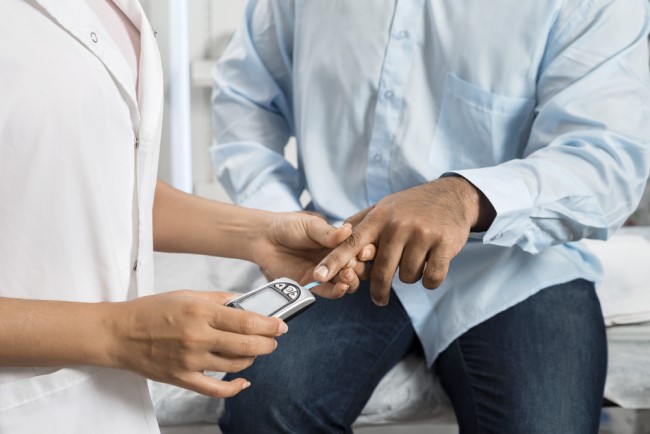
<point x="587" y="160"/>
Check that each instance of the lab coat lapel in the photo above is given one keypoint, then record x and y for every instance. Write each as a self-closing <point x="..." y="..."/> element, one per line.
<point x="76" y="18"/>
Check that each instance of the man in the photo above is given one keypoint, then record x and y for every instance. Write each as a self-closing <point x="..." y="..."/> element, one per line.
<point x="475" y="143"/>
<point x="81" y="210"/>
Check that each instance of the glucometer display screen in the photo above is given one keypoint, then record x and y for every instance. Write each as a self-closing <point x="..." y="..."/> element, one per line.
<point x="264" y="302"/>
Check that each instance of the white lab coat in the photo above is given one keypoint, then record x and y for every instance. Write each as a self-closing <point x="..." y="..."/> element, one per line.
<point x="76" y="195"/>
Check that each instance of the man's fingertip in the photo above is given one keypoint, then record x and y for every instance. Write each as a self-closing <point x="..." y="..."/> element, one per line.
<point x="321" y="272"/>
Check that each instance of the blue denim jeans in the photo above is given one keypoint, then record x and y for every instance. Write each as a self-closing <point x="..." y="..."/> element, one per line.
<point x="538" y="367"/>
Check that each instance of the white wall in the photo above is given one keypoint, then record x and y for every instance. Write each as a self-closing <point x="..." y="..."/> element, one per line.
<point x="211" y="22"/>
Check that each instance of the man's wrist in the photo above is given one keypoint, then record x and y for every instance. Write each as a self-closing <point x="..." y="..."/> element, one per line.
<point x="478" y="209"/>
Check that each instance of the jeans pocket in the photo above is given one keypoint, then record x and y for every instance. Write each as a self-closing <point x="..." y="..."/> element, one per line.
<point x="477" y="128"/>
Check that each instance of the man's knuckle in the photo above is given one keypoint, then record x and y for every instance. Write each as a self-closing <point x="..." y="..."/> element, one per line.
<point x="382" y="278"/>
<point x="408" y="275"/>
<point x="335" y="257"/>
<point x="430" y="282"/>
<point x="447" y="239"/>
<point x="353" y="240"/>
<point x="435" y="278"/>
<point x="425" y="232"/>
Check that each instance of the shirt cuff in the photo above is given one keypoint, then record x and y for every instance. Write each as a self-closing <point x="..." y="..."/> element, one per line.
<point x="510" y="197"/>
<point x="272" y="196"/>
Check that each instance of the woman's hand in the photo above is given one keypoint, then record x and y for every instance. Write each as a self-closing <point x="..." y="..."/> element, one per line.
<point x="292" y="244"/>
<point x="174" y="337"/>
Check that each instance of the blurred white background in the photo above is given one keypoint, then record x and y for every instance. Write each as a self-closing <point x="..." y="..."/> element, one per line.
<point x="210" y="24"/>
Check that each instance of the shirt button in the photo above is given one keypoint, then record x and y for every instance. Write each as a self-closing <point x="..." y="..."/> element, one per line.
<point x="136" y="143"/>
<point x="94" y="37"/>
<point x="135" y="266"/>
<point x="389" y="94"/>
<point x="402" y="35"/>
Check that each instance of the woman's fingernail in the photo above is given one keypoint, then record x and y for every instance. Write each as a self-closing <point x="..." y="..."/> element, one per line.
<point x="322" y="271"/>
<point x="246" y="385"/>
<point x="283" y="328"/>
<point x="378" y="303"/>
<point x="344" y="288"/>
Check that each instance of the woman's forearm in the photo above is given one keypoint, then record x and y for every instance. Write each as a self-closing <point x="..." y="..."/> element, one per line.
<point x="53" y="333"/>
<point x="185" y="223"/>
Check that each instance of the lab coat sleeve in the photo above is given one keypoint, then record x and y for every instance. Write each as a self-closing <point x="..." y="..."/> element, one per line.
<point x="587" y="159"/>
<point x="252" y="110"/>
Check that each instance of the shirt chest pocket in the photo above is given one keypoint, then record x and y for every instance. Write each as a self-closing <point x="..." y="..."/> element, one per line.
<point x="477" y="128"/>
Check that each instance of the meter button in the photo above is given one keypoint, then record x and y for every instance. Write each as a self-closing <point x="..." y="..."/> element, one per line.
<point x="280" y="285"/>
<point x="289" y="290"/>
<point x="293" y="295"/>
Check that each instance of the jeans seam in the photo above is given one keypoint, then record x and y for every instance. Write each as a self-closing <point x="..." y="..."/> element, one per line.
<point x="468" y="377"/>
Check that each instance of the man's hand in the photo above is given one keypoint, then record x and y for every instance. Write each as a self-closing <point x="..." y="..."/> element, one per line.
<point x="294" y="243"/>
<point x="174" y="337"/>
<point x="420" y="230"/>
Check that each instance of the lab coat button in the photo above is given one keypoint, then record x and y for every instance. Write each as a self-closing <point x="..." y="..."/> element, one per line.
<point x="403" y="34"/>
<point x="389" y="94"/>
<point x="94" y="37"/>
<point x="377" y="157"/>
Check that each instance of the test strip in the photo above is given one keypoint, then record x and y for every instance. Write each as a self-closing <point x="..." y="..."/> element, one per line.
<point x="312" y="284"/>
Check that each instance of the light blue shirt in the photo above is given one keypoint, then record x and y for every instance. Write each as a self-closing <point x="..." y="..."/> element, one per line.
<point x="541" y="105"/>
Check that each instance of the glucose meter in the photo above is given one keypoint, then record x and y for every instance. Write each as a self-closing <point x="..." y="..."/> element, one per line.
<point x="283" y="298"/>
